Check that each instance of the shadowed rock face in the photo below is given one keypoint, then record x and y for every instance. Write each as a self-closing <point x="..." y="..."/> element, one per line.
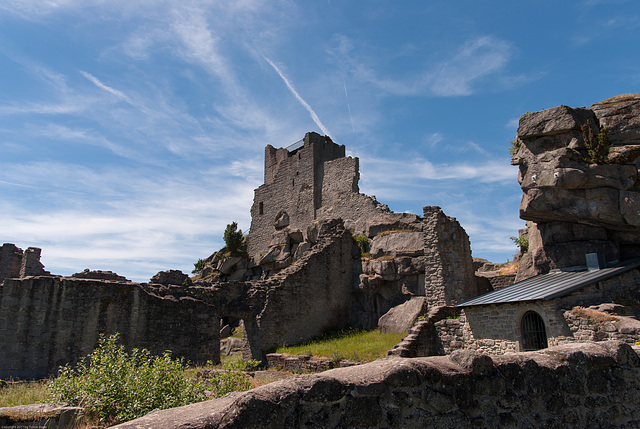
<point x="578" y="385"/>
<point x="579" y="207"/>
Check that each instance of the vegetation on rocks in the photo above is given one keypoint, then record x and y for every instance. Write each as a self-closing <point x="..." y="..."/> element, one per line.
<point x="234" y="239"/>
<point x="597" y="144"/>
<point x="596" y="317"/>
<point x="363" y="243"/>
<point x="521" y="242"/>
<point x="514" y="145"/>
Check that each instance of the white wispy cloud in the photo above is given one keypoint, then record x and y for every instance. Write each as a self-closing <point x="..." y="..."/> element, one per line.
<point x="399" y="170"/>
<point x="477" y="59"/>
<point x="119" y="216"/>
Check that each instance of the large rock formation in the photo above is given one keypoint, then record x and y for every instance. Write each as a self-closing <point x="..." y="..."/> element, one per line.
<point x="577" y="204"/>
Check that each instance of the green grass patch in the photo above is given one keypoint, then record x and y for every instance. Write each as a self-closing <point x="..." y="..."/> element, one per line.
<point x="24" y="393"/>
<point x="348" y="344"/>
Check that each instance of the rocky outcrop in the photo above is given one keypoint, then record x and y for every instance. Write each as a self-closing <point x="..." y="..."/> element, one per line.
<point x="171" y="277"/>
<point x="577" y="206"/>
<point x="573" y="386"/>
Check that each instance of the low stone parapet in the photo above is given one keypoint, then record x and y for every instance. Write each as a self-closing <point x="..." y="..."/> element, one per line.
<point x="305" y="363"/>
<point x="571" y="386"/>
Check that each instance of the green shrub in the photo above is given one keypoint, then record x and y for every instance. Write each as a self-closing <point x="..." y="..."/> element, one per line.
<point x="232" y="379"/>
<point x="362" y="241"/>
<point x="233" y="238"/>
<point x="521" y="242"/>
<point x="514" y="145"/>
<point x="597" y="145"/>
<point x="116" y="386"/>
<point x="199" y="266"/>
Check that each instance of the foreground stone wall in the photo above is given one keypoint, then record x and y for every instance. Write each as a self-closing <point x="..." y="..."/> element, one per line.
<point x="573" y="386"/>
<point x="46" y="322"/>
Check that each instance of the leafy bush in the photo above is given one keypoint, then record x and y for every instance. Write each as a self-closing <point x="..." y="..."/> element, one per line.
<point x="116" y="386"/>
<point x="199" y="266"/>
<point x="362" y="241"/>
<point x="597" y="145"/>
<point x="232" y="378"/>
<point x="521" y="242"/>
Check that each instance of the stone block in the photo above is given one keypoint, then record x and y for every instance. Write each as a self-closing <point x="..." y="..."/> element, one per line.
<point x="400" y="318"/>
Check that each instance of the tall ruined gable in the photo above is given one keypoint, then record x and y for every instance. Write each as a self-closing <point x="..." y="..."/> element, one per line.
<point x="449" y="267"/>
<point x="10" y="260"/>
<point x="303" y="184"/>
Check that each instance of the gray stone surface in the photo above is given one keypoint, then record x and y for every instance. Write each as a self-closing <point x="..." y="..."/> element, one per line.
<point x="100" y="275"/>
<point x="402" y="317"/>
<point x="578" y="207"/>
<point x="50" y="416"/>
<point x="14" y="263"/>
<point x="309" y="183"/>
<point x="46" y="322"/>
<point x="401" y="243"/>
<point x="580" y="385"/>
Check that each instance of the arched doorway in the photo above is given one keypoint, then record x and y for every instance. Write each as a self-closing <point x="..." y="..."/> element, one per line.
<point x="534" y="334"/>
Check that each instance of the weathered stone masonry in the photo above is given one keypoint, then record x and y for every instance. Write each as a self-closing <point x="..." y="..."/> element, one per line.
<point x="46" y="322"/>
<point x="572" y="386"/>
<point x="312" y="182"/>
<point x="495" y="328"/>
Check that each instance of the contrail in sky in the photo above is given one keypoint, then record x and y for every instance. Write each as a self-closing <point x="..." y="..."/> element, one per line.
<point x="348" y="106"/>
<point x="101" y="85"/>
<point x="300" y="99"/>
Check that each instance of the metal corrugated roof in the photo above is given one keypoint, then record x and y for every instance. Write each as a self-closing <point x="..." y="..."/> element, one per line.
<point x="549" y="286"/>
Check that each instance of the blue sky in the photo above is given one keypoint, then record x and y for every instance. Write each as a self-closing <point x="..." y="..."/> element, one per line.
<point x="132" y="132"/>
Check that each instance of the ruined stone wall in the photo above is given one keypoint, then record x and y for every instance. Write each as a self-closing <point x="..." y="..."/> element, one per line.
<point x="449" y="267"/>
<point x="46" y="322"/>
<point x="573" y="386"/>
<point x="14" y="263"/>
<point x="341" y="197"/>
<point x="292" y="190"/>
<point x="308" y="298"/>
<point x="10" y="261"/>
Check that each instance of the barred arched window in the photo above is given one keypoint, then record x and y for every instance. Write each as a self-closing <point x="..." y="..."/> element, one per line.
<point x="534" y="335"/>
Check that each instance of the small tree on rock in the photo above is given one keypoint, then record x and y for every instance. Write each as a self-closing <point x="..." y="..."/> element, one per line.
<point x="233" y="238"/>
